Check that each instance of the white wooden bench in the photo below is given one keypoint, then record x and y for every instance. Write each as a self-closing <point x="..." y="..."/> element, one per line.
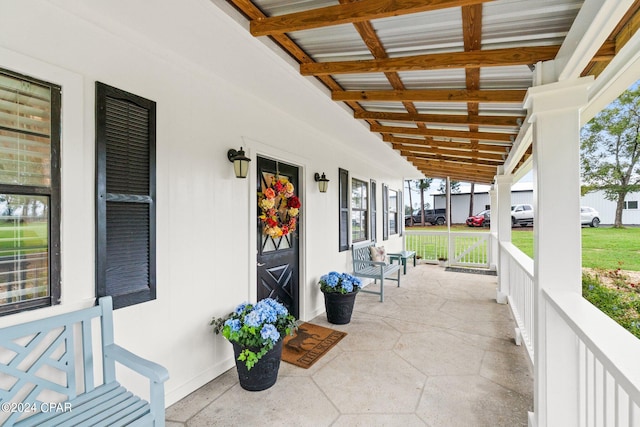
<point x="47" y="374"/>
<point x="364" y="266"/>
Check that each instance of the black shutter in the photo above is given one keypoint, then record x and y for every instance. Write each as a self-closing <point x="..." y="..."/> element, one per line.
<point x="400" y="213"/>
<point x="385" y="212"/>
<point x="343" y="183"/>
<point x="125" y="205"/>
<point x="373" y="210"/>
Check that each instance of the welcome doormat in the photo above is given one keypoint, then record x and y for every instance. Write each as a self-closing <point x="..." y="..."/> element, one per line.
<point x="309" y="344"/>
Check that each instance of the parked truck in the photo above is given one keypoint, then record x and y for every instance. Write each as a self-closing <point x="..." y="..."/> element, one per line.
<point x="431" y="216"/>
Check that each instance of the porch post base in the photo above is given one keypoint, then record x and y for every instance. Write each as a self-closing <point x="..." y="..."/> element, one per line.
<point x="532" y="419"/>
<point x="501" y="298"/>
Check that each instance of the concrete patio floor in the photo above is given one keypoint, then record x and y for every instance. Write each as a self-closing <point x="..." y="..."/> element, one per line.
<point x="439" y="351"/>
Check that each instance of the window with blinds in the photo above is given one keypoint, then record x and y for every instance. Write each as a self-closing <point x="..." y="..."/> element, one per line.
<point x="343" y="194"/>
<point x="125" y="204"/>
<point x="29" y="193"/>
<point x="393" y="212"/>
<point x="359" y="210"/>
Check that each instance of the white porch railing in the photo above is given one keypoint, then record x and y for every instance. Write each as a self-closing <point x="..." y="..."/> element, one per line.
<point x="465" y="249"/>
<point x="589" y="364"/>
<point x="595" y="358"/>
<point x="521" y="294"/>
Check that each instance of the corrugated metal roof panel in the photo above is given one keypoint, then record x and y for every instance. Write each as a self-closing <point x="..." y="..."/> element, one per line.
<point x="369" y="81"/>
<point x="284" y="7"/>
<point x="336" y="43"/>
<point x="420" y="33"/>
<point x="516" y="76"/>
<point x="434" y="79"/>
<point x="512" y="23"/>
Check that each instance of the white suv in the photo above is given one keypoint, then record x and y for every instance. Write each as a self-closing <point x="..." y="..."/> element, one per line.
<point x="589" y="216"/>
<point x="522" y="215"/>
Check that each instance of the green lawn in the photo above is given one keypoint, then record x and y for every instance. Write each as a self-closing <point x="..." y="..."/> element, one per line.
<point x="604" y="248"/>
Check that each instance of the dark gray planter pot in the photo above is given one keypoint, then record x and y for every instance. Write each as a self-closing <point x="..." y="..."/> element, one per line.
<point x="339" y="307"/>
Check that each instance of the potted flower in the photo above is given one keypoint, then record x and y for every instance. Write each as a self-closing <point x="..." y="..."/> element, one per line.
<point x="442" y="261"/>
<point x="256" y="332"/>
<point x="340" y="290"/>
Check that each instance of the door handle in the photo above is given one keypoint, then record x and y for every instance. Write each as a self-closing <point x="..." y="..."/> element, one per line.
<point x="260" y="264"/>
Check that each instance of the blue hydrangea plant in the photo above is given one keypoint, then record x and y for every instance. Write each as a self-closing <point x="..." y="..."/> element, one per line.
<point x="256" y="327"/>
<point x="343" y="283"/>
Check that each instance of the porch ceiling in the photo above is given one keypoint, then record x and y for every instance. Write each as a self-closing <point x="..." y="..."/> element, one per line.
<point x="442" y="81"/>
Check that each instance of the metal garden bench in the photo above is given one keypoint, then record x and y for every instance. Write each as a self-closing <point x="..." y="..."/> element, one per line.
<point x="47" y="374"/>
<point x="364" y="266"/>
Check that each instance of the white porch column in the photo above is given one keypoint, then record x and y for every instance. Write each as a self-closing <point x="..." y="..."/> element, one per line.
<point x="503" y="215"/>
<point x="493" y="227"/>
<point x="555" y="114"/>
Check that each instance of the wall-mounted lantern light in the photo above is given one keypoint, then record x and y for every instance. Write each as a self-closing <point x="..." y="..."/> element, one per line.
<point x="323" y="182"/>
<point x="240" y="162"/>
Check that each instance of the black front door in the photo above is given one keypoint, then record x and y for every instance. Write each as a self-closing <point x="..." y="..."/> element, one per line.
<point x="278" y="233"/>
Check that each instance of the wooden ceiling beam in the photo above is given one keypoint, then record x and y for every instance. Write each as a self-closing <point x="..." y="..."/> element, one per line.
<point x="458" y="175"/>
<point x="364" y="10"/>
<point x="472" y="38"/>
<point x="485" y="136"/>
<point x="489" y="148"/>
<point x="452" y="168"/>
<point x="431" y="95"/>
<point x="452" y="119"/>
<point x="370" y="38"/>
<point x="620" y="35"/>
<point x="437" y="61"/>
<point x="460" y="161"/>
<point x="439" y="151"/>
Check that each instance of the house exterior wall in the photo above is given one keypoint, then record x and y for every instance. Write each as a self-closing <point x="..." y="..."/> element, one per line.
<point x="216" y="88"/>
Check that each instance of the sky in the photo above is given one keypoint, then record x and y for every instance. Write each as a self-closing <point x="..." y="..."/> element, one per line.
<point x="465" y="187"/>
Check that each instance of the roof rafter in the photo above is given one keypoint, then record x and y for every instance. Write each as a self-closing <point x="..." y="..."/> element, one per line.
<point x="443" y="172"/>
<point x="364" y="10"/>
<point x="452" y="119"/>
<point x="411" y="142"/>
<point x="435" y="152"/>
<point x="460" y="161"/>
<point x="432" y="95"/>
<point x="436" y="61"/>
<point x="442" y="133"/>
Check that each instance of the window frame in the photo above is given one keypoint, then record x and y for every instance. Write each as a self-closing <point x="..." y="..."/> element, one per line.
<point x="364" y="210"/>
<point x="128" y="296"/>
<point x="393" y="212"/>
<point x="53" y="192"/>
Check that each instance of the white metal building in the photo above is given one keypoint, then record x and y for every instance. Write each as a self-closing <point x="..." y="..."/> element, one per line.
<point x="606" y="208"/>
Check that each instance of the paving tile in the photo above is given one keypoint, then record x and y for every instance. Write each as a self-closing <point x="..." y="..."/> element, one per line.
<point x="438" y="352"/>
<point x="512" y="371"/>
<point x="291" y="402"/>
<point x="371" y="382"/>
<point x="386" y="420"/>
<point x="199" y="399"/>
<point x="452" y="401"/>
